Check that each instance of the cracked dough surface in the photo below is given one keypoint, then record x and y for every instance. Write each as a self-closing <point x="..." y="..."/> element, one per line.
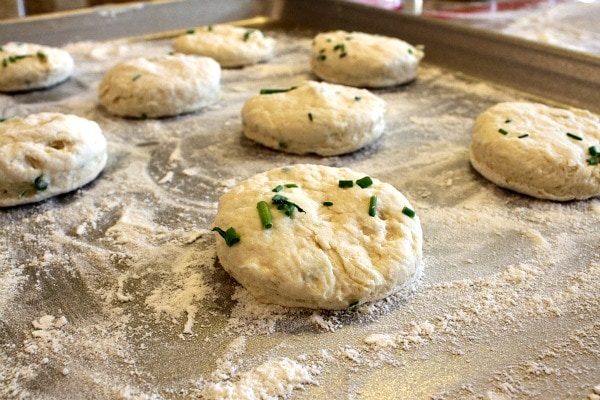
<point x="231" y="46"/>
<point x="160" y="86"/>
<point x="327" y="257"/>
<point x="29" y="66"/>
<point x="316" y="117"/>
<point x="364" y="60"/>
<point x="62" y="152"/>
<point x="538" y="150"/>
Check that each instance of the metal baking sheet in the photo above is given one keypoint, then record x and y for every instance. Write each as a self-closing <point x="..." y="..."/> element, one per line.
<point x="114" y="291"/>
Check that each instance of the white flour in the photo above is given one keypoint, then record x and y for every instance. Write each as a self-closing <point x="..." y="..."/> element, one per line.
<point x="115" y="291"/>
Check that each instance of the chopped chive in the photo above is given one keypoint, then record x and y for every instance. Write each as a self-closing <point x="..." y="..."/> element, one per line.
<point x="247" y="34"/>
<point x="291" y="185"/>
<point x="4" y="63"/>
<point x="573" y="136"/>
<point x="282" y="144"/>
<point x="345" y="184"/>
<point x="135" y="78"/>
<point x="310" y="117"/>
<point x="40" y="183"/>
<point x="373" y="206"/>
<point x="344" y="54"/>
<point x="40" y="55"/>
<point x="277" y="188"/>
<point x="265" y="214"/>
<point x="594" y="151"/>
<point x="271" y="91"/>
<point x="410" y="51"/>
<point x="502" y="131"/>
<point x="144" y="116"/>
<point x="523" y="136"/>
<point x="322" y="57"/>
<point x="364" y="182"/>
<point x="322" y="51"/>
<point x="230" y="235"/>
<point x="340" y="46"/>
<point x="593" y="160"/>
<point x="508" y="121"/>
<point x="327" y="203"/>
<point x="357" y="98"/>
<point x="190" y="31"/>
<point x="408" y="212"/>
<point x="285" y="206"/>
<point x="209" y="28"/>
<point x="353" y="305"/>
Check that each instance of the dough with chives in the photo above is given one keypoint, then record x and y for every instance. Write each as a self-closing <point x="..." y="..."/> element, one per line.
<point x="315" y="117"/>
<point x="330" y="252"/>
<point x="161" y="86"/>
<point x="231" y="46"/>
<point x="544" y="152"/>
<point x="47" y="154"/>
<point x="30" y="66"/>
<point x="364" y="60"/>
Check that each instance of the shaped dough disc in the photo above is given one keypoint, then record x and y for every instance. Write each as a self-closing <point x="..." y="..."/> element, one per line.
<point x="46" y="154"/>
<point x="231" y="46"/>
<point x="364" y="60"/>
<point x="330" y="252"/>
<point x="28" y="66"/>
<point x="160" y="86"/>
<point x="315" y="117"/>
<point x="548" y="153"/>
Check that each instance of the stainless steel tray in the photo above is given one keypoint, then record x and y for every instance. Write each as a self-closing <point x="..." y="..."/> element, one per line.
<point x="114" y="291"/>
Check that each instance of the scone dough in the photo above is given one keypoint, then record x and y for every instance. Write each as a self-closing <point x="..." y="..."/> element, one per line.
<point x="544" y="152"/>
<point x="315" y="117"/>
<point x="160" y="86"/>
<point x="364" y="60"/>
<point x="231" y="46"/>
<point x="28" y="66"/>
<point x="334" y="254"/>
<point x="46" y="154"/>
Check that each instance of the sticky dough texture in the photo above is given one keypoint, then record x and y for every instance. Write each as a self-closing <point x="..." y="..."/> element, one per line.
<point x="547" y="164"/>
<point x="316" y="117"/>
<point x="231" y="46"/>
<point x="66" y="150"/>
<point x="328" y="257"/>
<point x="364" y="60"/>
<point x="29" y="66"/>
<point x="160" y="86"/>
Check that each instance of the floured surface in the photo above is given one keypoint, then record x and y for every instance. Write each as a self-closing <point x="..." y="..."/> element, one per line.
<point x="115" y="292"/>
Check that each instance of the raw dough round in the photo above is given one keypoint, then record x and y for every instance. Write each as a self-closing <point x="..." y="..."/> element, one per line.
<point x="364" y="60"/>
<point x="332" y="255"/>
<point x="28" y="66"/>
<point x="544" y="152"/>
<point x="315" y="117"/>
<point x="231" y="46"/>
<point x="160" y="86"/>
<point x="46" y="154"/>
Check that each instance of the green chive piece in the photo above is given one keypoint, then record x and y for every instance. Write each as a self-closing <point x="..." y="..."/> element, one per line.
<point x="408" y="212"/>
<point x="247" y="34"/>
<point x="593" y="160"/>
<point x="523" y="136"/>
<point x="502" y="131"/>
<point x="144" y="116"/>
<point x="271" y="91"/>
<point x="135" y="78"/>
<point x="357" y="98"/>
<point x="345" y="184"/>
<point x="410" y="51"/>
<point x="209" y="28"/>
<point x="353" y="305"/>
<point x="282" y="144"/>
<point x="291" y="185"/>
<point x="344" y="54"/>
<point x="40" y="55"/>
<point x="277" y="188"/>
<point x="322" y="57"/>
<point x="340" y="46"/>
<point x="508" y="121"/>
<point x="4" y="63"/>
<point x="40" y="183"/>
<point x="285" y="206"/>
<point x="190" y="31"/>
<point x="265" y="214"/>
<point x="327" y="203"/>
<point x="373" y="206"/>
<point x="310" y="117"/>
<point x="364" y="182"/>
<point x="573" y="136"/>
<point x="594" y="151"/>
<point x="230" y="235"/>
